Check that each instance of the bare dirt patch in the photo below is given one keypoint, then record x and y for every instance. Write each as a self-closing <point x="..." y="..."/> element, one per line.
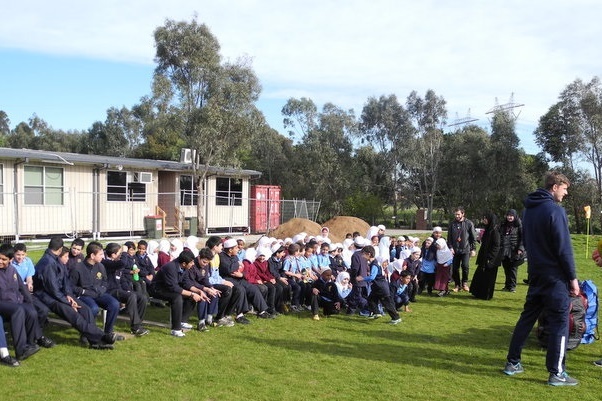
<point x="341" y="225"/>
<point x="294" y="227"/>
<point x="338" y="226"/>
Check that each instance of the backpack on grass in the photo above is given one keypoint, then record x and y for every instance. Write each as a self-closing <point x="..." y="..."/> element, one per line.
<point x="577" y="325"/>
<point x="590" y="291"/>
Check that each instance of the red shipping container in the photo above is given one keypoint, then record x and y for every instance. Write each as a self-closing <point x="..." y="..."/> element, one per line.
<point x="265" y="208"/>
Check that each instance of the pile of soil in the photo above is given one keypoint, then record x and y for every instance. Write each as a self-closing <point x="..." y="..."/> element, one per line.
<point x="294" y="227"/>
<point x="341" y="225"/>
<point x="338" y="226"/>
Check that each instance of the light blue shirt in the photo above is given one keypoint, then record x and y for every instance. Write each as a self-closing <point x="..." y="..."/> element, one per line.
<point x="323" y="260"/>
<point x="291" y="264"/>
<point x="215" y="278"/>
<point x="25" y="268"/>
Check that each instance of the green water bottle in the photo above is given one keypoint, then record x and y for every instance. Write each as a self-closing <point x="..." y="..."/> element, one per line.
<point x="135" y="269"/>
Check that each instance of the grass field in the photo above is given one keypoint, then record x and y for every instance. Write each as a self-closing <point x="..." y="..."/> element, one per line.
<point x="447" y="348"/>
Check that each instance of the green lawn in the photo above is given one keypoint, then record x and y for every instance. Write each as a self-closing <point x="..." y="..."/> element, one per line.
<point x="447" y="348"/>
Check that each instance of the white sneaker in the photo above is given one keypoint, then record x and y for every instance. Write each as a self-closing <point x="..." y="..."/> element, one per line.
<point x="186" y="326"/>
<point x="177" y="333"/>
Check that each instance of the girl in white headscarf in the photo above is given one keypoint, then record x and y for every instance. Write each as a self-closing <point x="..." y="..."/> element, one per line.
<point x="191" y="243"/>
<point x="344" y="285"/>
<point x="152" y="252"/>
<point x="163" y="254"/>
<point x="176" y="248"/>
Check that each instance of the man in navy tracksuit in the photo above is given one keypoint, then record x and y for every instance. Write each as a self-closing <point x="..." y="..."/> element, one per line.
<point x="552" y="277"/>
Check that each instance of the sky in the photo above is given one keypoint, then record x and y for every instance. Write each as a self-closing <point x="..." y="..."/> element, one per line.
<point x="69" y="61"/>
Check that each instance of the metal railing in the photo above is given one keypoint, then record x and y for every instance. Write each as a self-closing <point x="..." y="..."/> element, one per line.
<point x="91" y="214"/>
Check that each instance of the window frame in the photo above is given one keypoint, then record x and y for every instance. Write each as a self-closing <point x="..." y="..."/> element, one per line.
<point x="226" y="195"/>
<point x="46" y="192"/>
<point x="119" y="190"/>
<point x="189" y="196"/>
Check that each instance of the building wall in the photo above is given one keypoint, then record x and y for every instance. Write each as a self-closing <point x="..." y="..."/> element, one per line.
<point x="86" y="209"/>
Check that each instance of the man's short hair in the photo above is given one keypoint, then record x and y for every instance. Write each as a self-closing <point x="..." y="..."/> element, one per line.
<point x="55" y="243"/>
<point x="555" y="178"/>
<point x="7" y="250"/>
<point x="186" y="256"/>
<point x="20" y="247"/>
<point x="213" y="241"/>
<point x="369" y="250"/>
<point x="112" y="248"/>
<point x="205" y="253"/>
<point x="78" y="242"/>
<point x="93" y="248"/>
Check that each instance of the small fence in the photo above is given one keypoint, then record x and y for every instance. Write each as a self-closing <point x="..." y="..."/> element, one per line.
<point x="94" y="214"/>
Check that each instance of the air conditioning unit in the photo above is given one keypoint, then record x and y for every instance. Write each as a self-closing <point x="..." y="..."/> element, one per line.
<point x="143" y="177"/>
<point x="186" y="156"/>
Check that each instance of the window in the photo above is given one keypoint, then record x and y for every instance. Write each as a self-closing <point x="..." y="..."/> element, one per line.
<point x="228" y="192"/>
<point x="120" y="190"/>
<point x="1" y="184"/>
<point x="43" y="185"/>
<point x="188" y="192"/>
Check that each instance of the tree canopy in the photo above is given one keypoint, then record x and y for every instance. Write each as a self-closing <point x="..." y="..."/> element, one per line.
<point x="396" y="155"/>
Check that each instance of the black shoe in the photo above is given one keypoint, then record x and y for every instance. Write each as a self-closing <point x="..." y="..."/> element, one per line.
<point x="265" y="315"/>
<point x="45" y="342"/>
<point x="101" y="346"/>
<point x="118" y="337"/>
<point x="83" y="341"/>
<point x="140" y="331"/>
<point x="28" y="351"/>
<point x="9" y="361"/>
<point x="242" y="320"/>
<point x="109" y="338"/>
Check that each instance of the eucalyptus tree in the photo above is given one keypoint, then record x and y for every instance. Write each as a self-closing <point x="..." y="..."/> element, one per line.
<point x="324" y="153"/>
<point x="4" y="127"/>
<point x="505" y="186"/>
<point x="571" y="131"/>
<point x="210" y="100"/>
<point x="428" y="115"/>
<point x="558" y="134"/>
<point x="463" y="169"/>
<point x="385" y="124"/>
<point x="272" y="154"/>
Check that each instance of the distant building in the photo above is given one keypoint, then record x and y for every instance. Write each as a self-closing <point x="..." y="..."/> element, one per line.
<point x="45" y="193"/>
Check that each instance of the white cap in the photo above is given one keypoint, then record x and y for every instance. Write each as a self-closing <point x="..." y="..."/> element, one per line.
<point x="381" y="227"/>
<point x="230" y="243"/>
<point x="359" y="241"/>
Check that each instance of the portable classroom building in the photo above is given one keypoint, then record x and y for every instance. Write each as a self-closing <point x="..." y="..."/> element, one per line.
<point x="45" y="193"/>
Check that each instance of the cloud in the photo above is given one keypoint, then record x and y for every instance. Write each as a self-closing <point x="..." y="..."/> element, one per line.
<point x="470" y="52"/>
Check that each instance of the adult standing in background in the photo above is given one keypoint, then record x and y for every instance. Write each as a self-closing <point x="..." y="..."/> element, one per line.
<point x="552" y="278"/>
<point x="461" y="239"/>
<point x="488" y="260"/>
<point x="513" y="250"/>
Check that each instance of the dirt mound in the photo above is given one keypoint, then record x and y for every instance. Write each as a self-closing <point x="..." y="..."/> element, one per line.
<point x="341" y="225"/>
<point x="294" y="227"/>
<point x="338" y="226"/>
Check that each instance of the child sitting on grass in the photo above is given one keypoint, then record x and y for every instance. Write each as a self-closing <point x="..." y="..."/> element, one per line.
<point x="379" y="291"/>
<point x="402" y="291"/>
